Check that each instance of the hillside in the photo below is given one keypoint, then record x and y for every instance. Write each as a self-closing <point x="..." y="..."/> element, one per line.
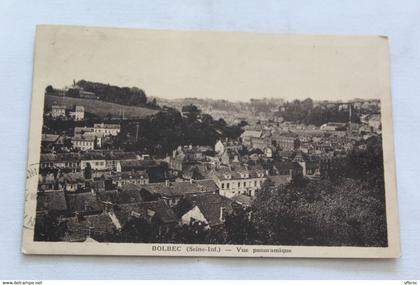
<point x="100" y="108"/>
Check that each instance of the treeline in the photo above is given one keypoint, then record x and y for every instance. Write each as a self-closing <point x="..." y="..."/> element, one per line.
<point x="348" y="210"/>
<point x="163" y="132"/>
<point x="120" y="95"/>
<point x="305" y="112"/>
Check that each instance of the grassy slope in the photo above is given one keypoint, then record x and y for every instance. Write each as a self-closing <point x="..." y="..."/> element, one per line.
<point x="99" y="108"/>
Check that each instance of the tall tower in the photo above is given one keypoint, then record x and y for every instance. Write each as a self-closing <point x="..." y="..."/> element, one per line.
<point x="137" y="132"/>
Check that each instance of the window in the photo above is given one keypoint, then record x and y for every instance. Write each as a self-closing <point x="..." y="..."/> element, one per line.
<point x="223" y="185"/>
<point x="227" y="185"/>
<point x="255" y="183"/>
<point x="244" y="184"/>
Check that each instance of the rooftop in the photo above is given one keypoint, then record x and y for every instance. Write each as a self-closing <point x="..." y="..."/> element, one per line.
<point x="171" y="189"/>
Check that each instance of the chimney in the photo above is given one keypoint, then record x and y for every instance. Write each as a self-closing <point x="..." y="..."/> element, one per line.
<point x="79" y="216"/>
<point x="191" y="180"/>
<point x="166" y="183"/>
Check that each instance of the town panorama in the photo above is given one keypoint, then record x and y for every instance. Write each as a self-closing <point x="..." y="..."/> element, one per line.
<point x="119" y="166"/>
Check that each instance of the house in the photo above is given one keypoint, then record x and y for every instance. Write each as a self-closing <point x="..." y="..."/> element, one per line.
<point x="374" y="122"/>
<point x="86" y="94"/>
<point x="83" y="142"/>
<point x="286" y="141"/>
<point x="51" y="201"/>
<point x="333" y="127"/>
<point x="107" y="129"/>
<point x="249" y="135"/>
<point x="176" y="162"/>
<point x="184" y="156"/>
<point x="153" y="212"/>
<point x="219" y="147"/>
<point x="64" y="161"/>
<point x="47" y="182"/>
<point x="209" y="209"/>
<point x="268" y="152"/>
<point x="157" y="170"/>
<point x="96" y="160"/>
<point x="50" y="141"/>
<point x="84" y="227"/>
<point x="130" y="177"/>
<point x="78" y="114"/>
<point x="231" y="182"/>
<point x="310" y="168"/>
<point x="128" y="193"/>
<point x="227" y="156"/>
<point x="58" y="111"/>
<point x="83" y="130"/>
<point x="196" y="171"/>
<point x="86" y="203"/>
<point x="72" y="182"/>
<point x="243" y="200"/>
<point x="287" y="169"/>
<point x="114" y="157"/>
<point x="173" y="192"/>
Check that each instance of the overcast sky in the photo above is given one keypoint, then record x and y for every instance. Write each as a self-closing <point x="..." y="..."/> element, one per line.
<point x="233" y="66"/>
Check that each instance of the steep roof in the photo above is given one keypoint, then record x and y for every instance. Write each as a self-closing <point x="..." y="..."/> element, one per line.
<point x="210" y="205"/>
<point x="118" y="155"/>
<point x="131" y="175"/>
<point x="83" y="138"/>
<point x="51" y="200"/>
<point x="107" y="126"/>
<point x="83" y="202"/>
<point x="160" y="210"/>
<point x="72" y="178"/>
<point x="79" y="228"/>
<point x="243" y="200"/>
<point x="59" y="157"/>
<point x="249" y="133"/>
<point x="138" y="164"/>
<point x="49" y="138"/>
<point x="181" y="188"/>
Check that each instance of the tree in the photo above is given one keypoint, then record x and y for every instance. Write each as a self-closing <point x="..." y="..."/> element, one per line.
<point x="49" y="90"/>
<point x="243" y="123"/>
<point x="239" y="228"/>
<point x="137" y="230"/>
<point x="49" y="227"/>
<point x="120" y="95"/>
<point x="87" y="172"/>
<point x="322" y="213"/>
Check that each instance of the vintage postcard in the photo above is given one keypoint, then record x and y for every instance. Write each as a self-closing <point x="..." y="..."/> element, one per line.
<point x="193" y="143"/>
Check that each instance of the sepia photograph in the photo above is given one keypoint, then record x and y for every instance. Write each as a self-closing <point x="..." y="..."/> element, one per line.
<point x="182" y="143"/>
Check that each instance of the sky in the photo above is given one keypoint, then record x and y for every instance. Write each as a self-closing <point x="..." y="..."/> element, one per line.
<point x="217" y="65"/>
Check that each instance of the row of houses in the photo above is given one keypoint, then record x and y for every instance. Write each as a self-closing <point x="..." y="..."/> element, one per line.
<point x="90" y="138"/>
<point x="60" y="111"/>
<point x="163" y="205"/>
<point x="268" y="139"/>
<point x="76" y="162"/>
